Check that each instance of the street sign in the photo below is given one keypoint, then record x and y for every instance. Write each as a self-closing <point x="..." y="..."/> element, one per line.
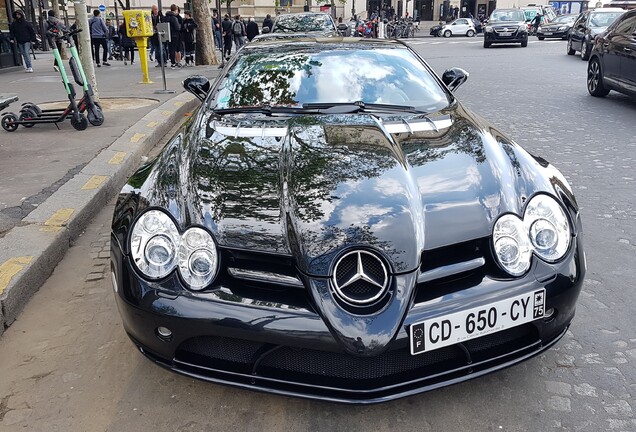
<point x="102" y="8"/>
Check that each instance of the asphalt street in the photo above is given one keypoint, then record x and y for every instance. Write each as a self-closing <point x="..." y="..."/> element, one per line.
<point x="67" y="365"/>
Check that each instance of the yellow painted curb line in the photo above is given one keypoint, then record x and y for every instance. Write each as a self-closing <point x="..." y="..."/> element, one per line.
<point x="136" y="137"/>
<point x="117" y="159"/>
<point x="152" y="124"/>
<point x="94" y="182"/>
<point x="11" y="268"/>
<point x="60" y="217"/>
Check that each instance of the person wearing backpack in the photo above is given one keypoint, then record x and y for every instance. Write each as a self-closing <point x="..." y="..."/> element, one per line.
<point x="238" y="31"/>
<point x="175" y="28"/>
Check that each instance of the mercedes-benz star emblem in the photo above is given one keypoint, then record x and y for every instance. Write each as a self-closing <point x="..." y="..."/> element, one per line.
<point x="360" y="277"/>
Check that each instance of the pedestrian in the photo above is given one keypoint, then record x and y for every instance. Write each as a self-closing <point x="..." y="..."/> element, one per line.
<point x="228" y="37"/>
<point x="156" y="16"/>
<point x="536" y="22"/>
<point x="127" y="45"/>
<point x="52" y="22"/>
<point x="267" y="22"/>
<point x="110" y="37"/>
<point x="99" y="33"/>
<point x="188" y="34"/>
<point x="238" y="31"/>
<point x="216" y="28"/>
<point x="22" y="33"/>
<point x="251" y="29"/>
<point x="175" y="29"/>
<point x="179" y="51"/>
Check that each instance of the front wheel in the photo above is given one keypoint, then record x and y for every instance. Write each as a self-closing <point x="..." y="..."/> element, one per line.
<point x="9" y="122"/>
<point x="95" y="116"/>
<point x="540" y="37"/>
<point x="570" y="50"/>
<point x="447" y="34"/>
<point x="27" y="114"/>
<point x="80" y="124"/>
<point x="595" y="79"/>
<point x="524" y="43"/>
<point x="486" y="44"/>
<point x="470" y="33"/>
<point x="585" y="51"/>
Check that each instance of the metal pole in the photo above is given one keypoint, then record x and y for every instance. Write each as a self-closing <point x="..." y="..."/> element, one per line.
<point x="116" y="17"/>
<point x="163" y="67"/>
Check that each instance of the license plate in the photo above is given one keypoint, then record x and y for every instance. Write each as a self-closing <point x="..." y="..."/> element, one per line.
<point x="472" y="323"/>
<point x="505" y="34"/>
<point x="548" y="33"/>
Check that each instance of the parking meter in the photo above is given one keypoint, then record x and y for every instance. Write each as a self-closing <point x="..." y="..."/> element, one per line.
<point x="139" y="27"/>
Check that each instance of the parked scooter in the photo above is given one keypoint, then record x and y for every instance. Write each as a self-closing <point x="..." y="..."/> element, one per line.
<point x="31" y="114"/>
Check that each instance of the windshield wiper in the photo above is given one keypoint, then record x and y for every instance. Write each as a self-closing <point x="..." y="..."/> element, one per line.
<point x="359" y="106"/>
<point x="266" y="109"/>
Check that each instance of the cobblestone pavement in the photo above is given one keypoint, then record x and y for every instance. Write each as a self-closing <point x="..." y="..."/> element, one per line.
<point x="66" y="364"/>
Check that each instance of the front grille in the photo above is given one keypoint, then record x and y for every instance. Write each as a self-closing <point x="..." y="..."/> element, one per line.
<point x="306" y="370"/>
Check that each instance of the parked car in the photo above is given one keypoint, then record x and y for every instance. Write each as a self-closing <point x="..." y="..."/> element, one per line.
<point x="295" y="25"/>
<point x="353" y="240"/>
<point x="459" y="27"/>
<point x="587" y="26"/>
<point x="506" y="26"/>
<point x="559" y="28"/>
<point x="436" y="29"/>
<point x="612" y="64"/>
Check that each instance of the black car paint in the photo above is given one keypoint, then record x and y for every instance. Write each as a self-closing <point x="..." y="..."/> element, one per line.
<point x="519" y="35"/>
<point x="582" y="34"/>
<point x="266" y="195"/>
<point x="616" y="53"/>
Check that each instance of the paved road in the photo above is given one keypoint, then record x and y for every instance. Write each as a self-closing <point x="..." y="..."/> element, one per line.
<point x="67" y="365"/>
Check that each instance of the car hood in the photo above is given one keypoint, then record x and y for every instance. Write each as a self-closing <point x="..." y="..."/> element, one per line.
<point x="506" y="23"/>
<point x="597" y="30"/>
<point x="311" y="187"/>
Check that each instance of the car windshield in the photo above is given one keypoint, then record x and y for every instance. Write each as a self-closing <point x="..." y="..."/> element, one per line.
<point x="508" y="15"/>
<point x="603" y="19"/>
<point x="302" y="24"/>
<point x="295" y="75"/>
<point x="567" y="19"/>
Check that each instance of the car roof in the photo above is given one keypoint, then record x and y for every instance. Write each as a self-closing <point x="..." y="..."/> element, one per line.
<point x="607" y="10"/>
<point x="303" y="14"/>
<point x="327" y="41"/>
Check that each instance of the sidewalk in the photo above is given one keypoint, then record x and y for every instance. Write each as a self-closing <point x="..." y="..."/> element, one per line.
<point x="53" y="181"/>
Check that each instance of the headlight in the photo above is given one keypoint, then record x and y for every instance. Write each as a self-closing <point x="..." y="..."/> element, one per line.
<point x="549" y="228"/>
<point x="198" y="259"/>
<point x="488" y="29"/>
<point x="157" y="249"/>
<point x="562" y="28"/>
<point x="523" y="28"/>
<point x="544" y="229"/>
<point x="539" y="28"/>
<point x="512" y="245"/>
<point x="153" y="244"/>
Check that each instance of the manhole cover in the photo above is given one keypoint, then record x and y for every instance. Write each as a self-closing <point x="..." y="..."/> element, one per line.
<point x="109" y="104"/>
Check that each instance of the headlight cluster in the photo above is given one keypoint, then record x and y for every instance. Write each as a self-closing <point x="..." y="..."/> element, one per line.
<point x="544" y="230"/>
<point x="488" y="29"/>
<point x="523" y="28"/>
<point x="562" y="28"/>
<point x="157" y="248"/>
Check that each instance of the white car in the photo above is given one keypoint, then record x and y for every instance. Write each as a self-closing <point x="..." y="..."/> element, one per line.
<point x="459" y="27"/>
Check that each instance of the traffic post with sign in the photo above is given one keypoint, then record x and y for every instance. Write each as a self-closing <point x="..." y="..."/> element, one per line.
<point x="139" y="27"/>
<point x="163" y="30"/>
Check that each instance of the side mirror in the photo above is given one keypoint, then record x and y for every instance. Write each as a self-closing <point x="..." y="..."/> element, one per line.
<point x="454" y="77"/>
<point x="265" y="30"/>
<point x="198" y="85"/>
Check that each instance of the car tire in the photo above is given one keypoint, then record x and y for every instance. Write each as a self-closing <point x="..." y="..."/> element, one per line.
<point x="524" y="43"/>
<point x="447" y="34"/>
<point x="569" y="48"/>
<point x="470" y="33"/>
<point x="595" y="84"/>
<point x="585" y="51"/>
<point x="540" y="37"/>
<point x="486" y="44"/>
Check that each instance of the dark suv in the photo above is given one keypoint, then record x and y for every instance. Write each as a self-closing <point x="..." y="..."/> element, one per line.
<point x="587" y="26"/>
<point x="506" y="26"/>
<point x="612" y="64"/>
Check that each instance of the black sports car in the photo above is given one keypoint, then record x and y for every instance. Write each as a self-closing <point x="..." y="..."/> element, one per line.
<point x="328" y="231"/>
<point x="559" y="28"/>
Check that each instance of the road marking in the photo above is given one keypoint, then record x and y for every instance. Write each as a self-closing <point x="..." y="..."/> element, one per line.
<point x="94" y="182"/>
<point x="152" y="124"/>
<point x="136" y="137"/>
<point x="166" y="113"/>
<point x="60" y="217"/>
<point x="437" y="43"/>
<point x="178" y="104"/>
<point x="117" y="159"/>
<point x="10" y="268"/>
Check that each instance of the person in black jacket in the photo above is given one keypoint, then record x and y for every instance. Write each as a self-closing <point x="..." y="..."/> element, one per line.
<point x="175" y="29"/>
<point x="267" y="22"/>
<point x="127" y="45"/>
<point x="228" y="36"/>
<point x="22" y="32"/>
<point x="251" y="29"/>
<point x="189" y="38"/>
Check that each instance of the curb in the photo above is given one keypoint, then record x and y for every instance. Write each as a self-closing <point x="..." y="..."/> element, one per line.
<point x="30" y="252"/>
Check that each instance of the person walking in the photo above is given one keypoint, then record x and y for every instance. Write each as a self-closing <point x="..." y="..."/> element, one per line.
<point x="536" y="22"/>
<point x="228" y="37"/>
<point x="51" y="21"/>
<point x="99" y="33"/>
<point x="156" y="16"/>
<point x="216" y="28"/>
<point x="179" y="50"/>
<point x="188" y="34"/>
<point x="127" y="45"/>
<point x="175" y="29"/>
<point x="238" y="31"/>
<point x="110" y="37"/>
<point x="252" y="29"/>
<point x="22" y="33"/>
<point x="267" y="22"/>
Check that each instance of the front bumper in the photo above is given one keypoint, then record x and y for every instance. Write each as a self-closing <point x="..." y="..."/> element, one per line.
<point x="231" y="337"/>
<point x="495" y="37"/>
<point x="553" y="34"/>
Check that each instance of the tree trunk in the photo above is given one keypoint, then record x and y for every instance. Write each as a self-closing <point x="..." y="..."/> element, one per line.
<point x="205" y="52"/>
<point x="55" y="6"/>
<point x="84" y="40"/>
